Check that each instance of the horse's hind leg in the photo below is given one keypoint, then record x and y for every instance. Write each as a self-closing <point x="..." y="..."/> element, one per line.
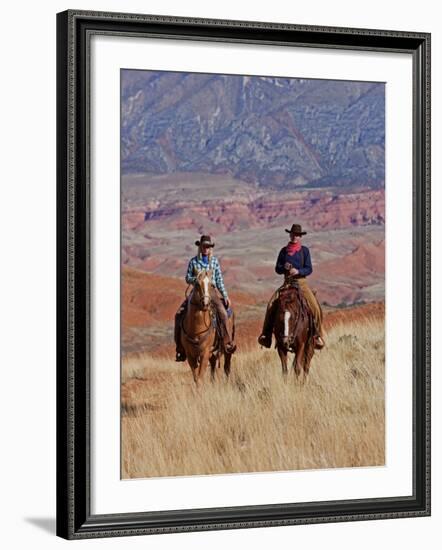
<point x="213" y="360"/>
<point x="227" y="363"/>
<point x="215" y="371"/>
<point x="283" y="356"/>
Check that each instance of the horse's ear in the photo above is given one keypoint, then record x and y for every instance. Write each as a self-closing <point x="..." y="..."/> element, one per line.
<point x="209" y="272"/>
<point x="196" y="270"/>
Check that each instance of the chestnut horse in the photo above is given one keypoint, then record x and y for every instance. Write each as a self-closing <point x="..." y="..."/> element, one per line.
<point x="198" y="333"/>
<point x="294" y="329"/>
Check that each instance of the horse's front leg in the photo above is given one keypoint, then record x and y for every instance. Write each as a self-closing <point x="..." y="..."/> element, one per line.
<point x="282" y="351"/>
<point x="202" y="364"/>
<point x="193" y="362"/>
<point x="308" y="356"/>
<point x="298" y="361"/>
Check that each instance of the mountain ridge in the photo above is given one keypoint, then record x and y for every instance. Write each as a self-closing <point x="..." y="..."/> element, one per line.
<point x="282" y="132"/>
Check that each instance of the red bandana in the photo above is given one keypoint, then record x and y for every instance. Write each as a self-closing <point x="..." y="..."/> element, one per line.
<point x="293" y="247"/>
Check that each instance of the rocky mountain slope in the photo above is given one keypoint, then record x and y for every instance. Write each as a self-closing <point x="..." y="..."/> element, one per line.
<point x="269" y="131"/>
<point x="162" y="217"/>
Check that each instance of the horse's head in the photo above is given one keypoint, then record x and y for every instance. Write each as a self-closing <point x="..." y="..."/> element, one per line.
<point x="288" y="312"/>
<point x="202" y="288"/>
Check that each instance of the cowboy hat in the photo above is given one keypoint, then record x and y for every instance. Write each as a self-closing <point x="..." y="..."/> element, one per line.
<point x="205" y="239"/>
<point x="296" y="229"/>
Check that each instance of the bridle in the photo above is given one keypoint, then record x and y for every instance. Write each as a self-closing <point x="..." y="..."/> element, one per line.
<point x="293" y="314"/>
<point x="205" y="301"/>
<point x="198" y="339"/>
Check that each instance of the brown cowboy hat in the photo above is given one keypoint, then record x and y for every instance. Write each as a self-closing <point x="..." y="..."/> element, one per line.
<point x="205" y="239"/>
<point x="296" y="229"/>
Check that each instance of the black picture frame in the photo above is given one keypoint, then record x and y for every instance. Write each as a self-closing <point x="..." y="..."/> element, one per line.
<point x="74" y="518"/>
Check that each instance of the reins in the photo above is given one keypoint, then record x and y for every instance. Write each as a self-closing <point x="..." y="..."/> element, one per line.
<point x="197" y="340"/>
<point x="302" y="311"/>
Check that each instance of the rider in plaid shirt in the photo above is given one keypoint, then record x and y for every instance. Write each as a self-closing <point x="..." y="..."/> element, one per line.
<point x="212" y="263"/>
<point x="205" y="260"/>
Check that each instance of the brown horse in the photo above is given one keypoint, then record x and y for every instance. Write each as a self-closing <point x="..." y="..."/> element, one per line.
<point x="294" y="329"/>
<point x="198" y="335"/>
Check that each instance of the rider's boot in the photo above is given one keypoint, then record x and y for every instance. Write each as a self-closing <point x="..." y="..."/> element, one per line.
<point x="265" y="340"/>
<point x="228" y="343"/>
<point x="180" y="355"/>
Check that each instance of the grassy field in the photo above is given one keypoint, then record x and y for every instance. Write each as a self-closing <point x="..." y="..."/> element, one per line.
<point x="255" y="421"/>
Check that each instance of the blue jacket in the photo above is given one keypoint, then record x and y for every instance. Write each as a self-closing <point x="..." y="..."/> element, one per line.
<point x="295" y="260"/>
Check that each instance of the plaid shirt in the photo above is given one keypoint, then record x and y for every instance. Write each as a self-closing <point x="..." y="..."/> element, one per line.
<point x="217" y="276"/>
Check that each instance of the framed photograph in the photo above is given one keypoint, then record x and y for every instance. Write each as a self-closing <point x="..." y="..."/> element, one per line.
<point x="243" y="274"/>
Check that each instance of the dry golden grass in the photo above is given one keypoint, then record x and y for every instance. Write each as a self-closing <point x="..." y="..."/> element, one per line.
<point x="255" y="421"/>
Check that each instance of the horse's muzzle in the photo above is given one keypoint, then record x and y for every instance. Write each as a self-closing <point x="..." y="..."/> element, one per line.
<point x="287" y="342"/>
